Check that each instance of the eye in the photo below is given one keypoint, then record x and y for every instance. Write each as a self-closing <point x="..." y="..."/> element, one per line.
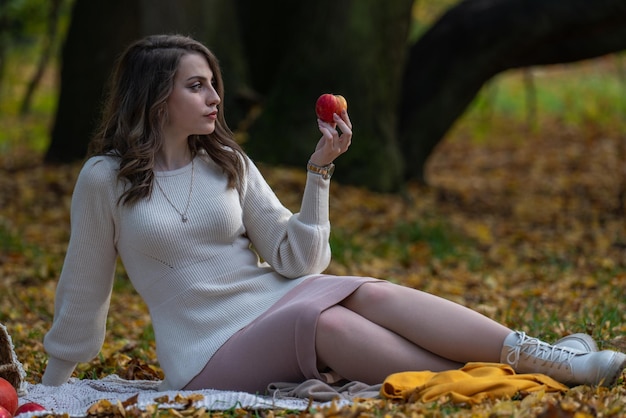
<point x="196" y="86"/>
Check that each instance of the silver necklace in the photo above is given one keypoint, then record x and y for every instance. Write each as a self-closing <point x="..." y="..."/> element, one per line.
<point x="183" y="215"/>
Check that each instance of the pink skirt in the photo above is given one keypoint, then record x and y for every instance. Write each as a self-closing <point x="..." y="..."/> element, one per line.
<point x="278" y="346"/>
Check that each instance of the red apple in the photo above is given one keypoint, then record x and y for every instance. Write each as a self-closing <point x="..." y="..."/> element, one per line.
<point x="325" y="106"/>
<point x="328" y="104"/>
<point x="29" y="407"/>
<point x="343" y="103"/>
<point x="8" y="396"/>
<point x="4" y="413"/>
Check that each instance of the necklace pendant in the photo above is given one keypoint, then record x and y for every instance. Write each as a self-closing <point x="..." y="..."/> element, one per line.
<point x="183" y="215"/>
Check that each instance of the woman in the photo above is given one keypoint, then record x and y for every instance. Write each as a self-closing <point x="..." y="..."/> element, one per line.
<point x="170" y="192"/>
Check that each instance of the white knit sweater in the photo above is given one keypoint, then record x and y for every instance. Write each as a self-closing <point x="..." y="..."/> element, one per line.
<point x="200" y="279"/>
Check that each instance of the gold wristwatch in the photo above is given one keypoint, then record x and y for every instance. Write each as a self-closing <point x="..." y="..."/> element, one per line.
<point x="326" y="171"/>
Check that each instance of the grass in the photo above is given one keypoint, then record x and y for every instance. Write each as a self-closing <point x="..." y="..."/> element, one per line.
<point x="574" y="95"/>
<point x="10" y="242"/>
<point x="441" y="239"/>
<point x="402" y="243"/>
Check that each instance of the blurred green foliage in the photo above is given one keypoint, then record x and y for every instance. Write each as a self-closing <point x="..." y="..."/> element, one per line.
<point x="592" y="92"/>
<point x="24" y="20"/>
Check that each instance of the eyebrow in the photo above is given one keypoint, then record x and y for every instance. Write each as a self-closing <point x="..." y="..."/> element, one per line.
<point x="197" y="77"/>
<point x="200" y="78"/>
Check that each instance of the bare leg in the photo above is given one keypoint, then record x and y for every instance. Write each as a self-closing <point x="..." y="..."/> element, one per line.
<point x="440" y="326"/>
<point x="384" y="328"/>
<point x="361" y="350"/>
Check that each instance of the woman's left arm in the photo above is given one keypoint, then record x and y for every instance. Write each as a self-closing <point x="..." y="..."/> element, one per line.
<point x="293" y="244"/>
<point x="296" y="244"/>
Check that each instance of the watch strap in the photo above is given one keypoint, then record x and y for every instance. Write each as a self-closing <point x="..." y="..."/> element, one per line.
<point x="326" y="171"/>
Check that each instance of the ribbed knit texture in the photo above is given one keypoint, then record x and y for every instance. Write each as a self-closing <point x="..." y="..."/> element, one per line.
<point x="201" y="280"/>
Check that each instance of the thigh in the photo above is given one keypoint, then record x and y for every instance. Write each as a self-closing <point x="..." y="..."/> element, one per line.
<point x="279" y="346"/>
<point x="254" y="357"/>
<point x="358" y="349"/>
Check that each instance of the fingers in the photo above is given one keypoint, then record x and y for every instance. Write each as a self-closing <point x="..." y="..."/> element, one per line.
<point x="327" y="129"/>
<point x="343" y="121"/>
<point x="342" y="125"/>
<point x="345" y="127"/>
<point x="336" y="138"/>
<point x="332" y="138"/>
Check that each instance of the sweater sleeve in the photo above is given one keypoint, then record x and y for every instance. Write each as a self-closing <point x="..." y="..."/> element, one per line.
<point x="84" y="289"/>
<point x="293" y="244"/>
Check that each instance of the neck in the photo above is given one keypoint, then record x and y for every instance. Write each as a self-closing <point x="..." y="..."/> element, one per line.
<point x="172" y="159"/>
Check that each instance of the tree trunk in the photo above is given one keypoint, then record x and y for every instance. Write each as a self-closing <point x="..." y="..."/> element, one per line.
<point x="98" y="31"/>
<point x="356" y="50"/>
<point x="478" y="39"/>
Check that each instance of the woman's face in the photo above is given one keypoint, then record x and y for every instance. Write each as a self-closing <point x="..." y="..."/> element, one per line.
<point x="192" y="105"/>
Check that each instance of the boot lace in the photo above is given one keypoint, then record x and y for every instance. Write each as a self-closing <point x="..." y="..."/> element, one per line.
<point x="550" y="354"/>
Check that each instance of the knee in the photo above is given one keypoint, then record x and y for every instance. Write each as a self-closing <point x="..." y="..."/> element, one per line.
<point x="371" y="294"/>
<point x="332" y="321"/>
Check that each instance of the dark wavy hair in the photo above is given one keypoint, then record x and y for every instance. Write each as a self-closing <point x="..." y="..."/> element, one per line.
<point x="135" y="110"/>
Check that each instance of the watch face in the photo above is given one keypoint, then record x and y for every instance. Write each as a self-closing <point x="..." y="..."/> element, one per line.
<point x="330" y="171"/>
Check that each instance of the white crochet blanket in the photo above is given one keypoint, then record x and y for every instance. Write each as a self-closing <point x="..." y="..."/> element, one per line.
<point x="75" y="397"/>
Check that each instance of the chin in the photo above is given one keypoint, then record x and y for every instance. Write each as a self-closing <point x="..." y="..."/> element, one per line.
<point x="209" y="130"/>
<point x="205" y="132"/>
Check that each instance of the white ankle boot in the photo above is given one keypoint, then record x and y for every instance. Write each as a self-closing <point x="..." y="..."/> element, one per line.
<point x="579" y="341"/>
<point x="567" y="365"/>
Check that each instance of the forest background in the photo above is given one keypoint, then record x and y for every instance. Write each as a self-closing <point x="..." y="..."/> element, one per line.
<point x="523" y="217"/>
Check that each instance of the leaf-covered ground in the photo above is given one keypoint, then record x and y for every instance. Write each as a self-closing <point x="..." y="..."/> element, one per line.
<point x="530" y="231"/>
<point x="527" y="226"/>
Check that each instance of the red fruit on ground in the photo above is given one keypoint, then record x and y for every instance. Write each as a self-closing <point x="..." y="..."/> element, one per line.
<point x="328" y="104"/>
<point x="8" y="396"/>
<point x="4" y="413"/>
<point x="29" y="407"/>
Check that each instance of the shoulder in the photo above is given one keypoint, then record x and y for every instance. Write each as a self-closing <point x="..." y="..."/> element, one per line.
<point x="101" y="165"/>
<point x="99" y="172"/>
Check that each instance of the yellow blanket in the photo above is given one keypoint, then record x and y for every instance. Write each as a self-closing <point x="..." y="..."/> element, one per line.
<point x="471" y="384"/>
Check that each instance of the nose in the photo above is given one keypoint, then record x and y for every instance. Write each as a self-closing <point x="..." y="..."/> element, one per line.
<point x="212" y="98"/>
